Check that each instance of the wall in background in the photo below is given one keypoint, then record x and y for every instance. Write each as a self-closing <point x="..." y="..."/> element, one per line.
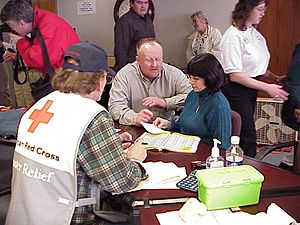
<point x="172" y="22"/>
<point x="2" y="3"/>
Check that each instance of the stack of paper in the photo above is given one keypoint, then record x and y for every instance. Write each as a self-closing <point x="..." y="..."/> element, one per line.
<point x="274" y="216"/>
<point x="161" y="176"/>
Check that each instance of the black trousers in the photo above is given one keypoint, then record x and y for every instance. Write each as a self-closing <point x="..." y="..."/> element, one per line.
<point x="243" y="101"/>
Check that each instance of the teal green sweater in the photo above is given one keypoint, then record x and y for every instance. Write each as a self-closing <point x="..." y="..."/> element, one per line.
<point x="206" y="116"/>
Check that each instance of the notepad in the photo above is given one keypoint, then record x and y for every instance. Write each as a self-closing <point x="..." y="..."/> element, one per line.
<point x="174" y="142"/>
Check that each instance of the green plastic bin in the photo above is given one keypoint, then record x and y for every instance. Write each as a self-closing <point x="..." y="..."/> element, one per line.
<point x="227" y="187"/>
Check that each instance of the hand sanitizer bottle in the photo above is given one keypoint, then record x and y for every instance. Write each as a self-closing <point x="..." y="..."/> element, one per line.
<point x="215" y="160"/>
<point x="234" y="154"/>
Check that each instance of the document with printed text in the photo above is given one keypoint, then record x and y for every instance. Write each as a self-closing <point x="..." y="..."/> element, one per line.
<point x="174" y="142"/>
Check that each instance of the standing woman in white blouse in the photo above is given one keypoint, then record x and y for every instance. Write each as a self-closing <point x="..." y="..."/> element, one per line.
<point x="245" y="57"/>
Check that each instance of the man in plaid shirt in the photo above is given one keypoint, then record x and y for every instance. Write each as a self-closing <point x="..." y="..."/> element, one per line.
<point x="67" y="137"/>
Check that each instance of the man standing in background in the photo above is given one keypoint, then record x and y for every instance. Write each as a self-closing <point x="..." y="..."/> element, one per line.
<point x="291" y="108"/>
<point x="57" y="34"/>
<point x="130" y="28"/>
<point x="4" y="87"/>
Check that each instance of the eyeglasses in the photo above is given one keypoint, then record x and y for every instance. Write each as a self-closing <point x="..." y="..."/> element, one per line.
<point x="262" y="9"/>
<point x="152" y="60"/>
<point x="109" y="78"/>
<point x="193" y="78"/>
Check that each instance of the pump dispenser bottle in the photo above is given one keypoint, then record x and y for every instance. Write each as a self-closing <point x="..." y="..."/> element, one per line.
<point x="215" y="160"/>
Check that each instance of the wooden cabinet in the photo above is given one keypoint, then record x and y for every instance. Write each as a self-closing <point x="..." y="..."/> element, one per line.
<point x="49" y="5"/>
<point x="281" y="28"/>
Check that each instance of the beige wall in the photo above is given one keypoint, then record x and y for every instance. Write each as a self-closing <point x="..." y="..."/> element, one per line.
<point x="172" y="22"/>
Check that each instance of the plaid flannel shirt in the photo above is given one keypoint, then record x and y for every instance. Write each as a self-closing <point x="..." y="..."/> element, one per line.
<point x="101" y="158"/>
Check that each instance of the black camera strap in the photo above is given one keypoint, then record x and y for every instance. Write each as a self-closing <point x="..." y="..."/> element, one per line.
<point x="37" y="32"/>
<point x="20" y="66"/>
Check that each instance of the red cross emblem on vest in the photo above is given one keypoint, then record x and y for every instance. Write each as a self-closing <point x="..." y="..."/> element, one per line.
<point x="40" y="116"/>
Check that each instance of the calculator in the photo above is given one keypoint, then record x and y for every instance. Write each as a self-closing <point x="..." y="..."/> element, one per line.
<point x="189" y="183"/>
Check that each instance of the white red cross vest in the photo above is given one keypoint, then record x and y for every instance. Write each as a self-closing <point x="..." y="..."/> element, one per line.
<point x="44" y="184"/>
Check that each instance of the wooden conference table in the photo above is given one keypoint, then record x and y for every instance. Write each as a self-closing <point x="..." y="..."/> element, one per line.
<point x="291" y="205"/>
<point x="279" y="184"/>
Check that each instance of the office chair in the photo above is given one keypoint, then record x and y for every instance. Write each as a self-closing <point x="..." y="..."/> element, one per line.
<point x="269" y="149"/>
<point x="236" y="122"/>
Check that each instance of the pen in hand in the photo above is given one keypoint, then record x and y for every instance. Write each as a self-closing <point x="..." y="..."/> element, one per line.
<point x="126" y="144"/>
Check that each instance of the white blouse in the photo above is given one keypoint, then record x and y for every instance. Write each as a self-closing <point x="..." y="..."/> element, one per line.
<point x="244" y="52"/>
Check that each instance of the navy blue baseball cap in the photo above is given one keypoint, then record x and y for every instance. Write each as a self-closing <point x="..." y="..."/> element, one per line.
<point x="89" y="56"/>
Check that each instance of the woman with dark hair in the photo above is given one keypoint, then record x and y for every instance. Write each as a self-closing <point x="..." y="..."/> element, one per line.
<point x="245" y="57"/>
<point x="206" y="111"/>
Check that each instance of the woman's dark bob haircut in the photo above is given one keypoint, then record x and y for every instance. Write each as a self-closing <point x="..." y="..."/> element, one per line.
<point x="207" y="67"/>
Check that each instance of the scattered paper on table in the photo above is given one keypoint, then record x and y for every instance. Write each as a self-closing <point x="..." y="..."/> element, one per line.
<point x="153" y="129"/>
<point x="274" y="216"/>
<point x="161" y="176"/>
<point x="210" y="218"/>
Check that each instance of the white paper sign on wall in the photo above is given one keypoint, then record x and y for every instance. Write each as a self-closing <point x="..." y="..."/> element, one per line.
<point x="86" y="7"/>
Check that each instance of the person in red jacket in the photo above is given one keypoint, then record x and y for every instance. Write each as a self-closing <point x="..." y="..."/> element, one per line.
<point x="57" y="34"/>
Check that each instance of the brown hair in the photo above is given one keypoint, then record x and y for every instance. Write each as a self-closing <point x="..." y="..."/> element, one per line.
<point x="242" y="12"/>
<point x="70" y="81"/>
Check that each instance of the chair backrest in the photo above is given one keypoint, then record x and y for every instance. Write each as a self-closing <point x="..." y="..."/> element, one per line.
<point x="263" y="152"/>
<point x="236" y="122"/>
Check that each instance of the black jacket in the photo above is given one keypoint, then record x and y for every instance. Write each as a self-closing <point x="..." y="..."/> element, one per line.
<point x="292" y="86"/>
<point x="128" y="30"/>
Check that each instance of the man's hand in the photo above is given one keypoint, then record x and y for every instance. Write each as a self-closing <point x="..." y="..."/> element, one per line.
<point x="125" y="136"/>
<point x="297" y="115"/>
<point x="137" y="151"/>
<point x="144" y="115"/>
<point x="8" y="56"/>
<point x="154" y="101"/>
<point x="127" y="139"/>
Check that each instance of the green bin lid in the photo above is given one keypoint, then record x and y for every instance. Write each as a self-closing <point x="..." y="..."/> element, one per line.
<point x="229" y="176"/>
